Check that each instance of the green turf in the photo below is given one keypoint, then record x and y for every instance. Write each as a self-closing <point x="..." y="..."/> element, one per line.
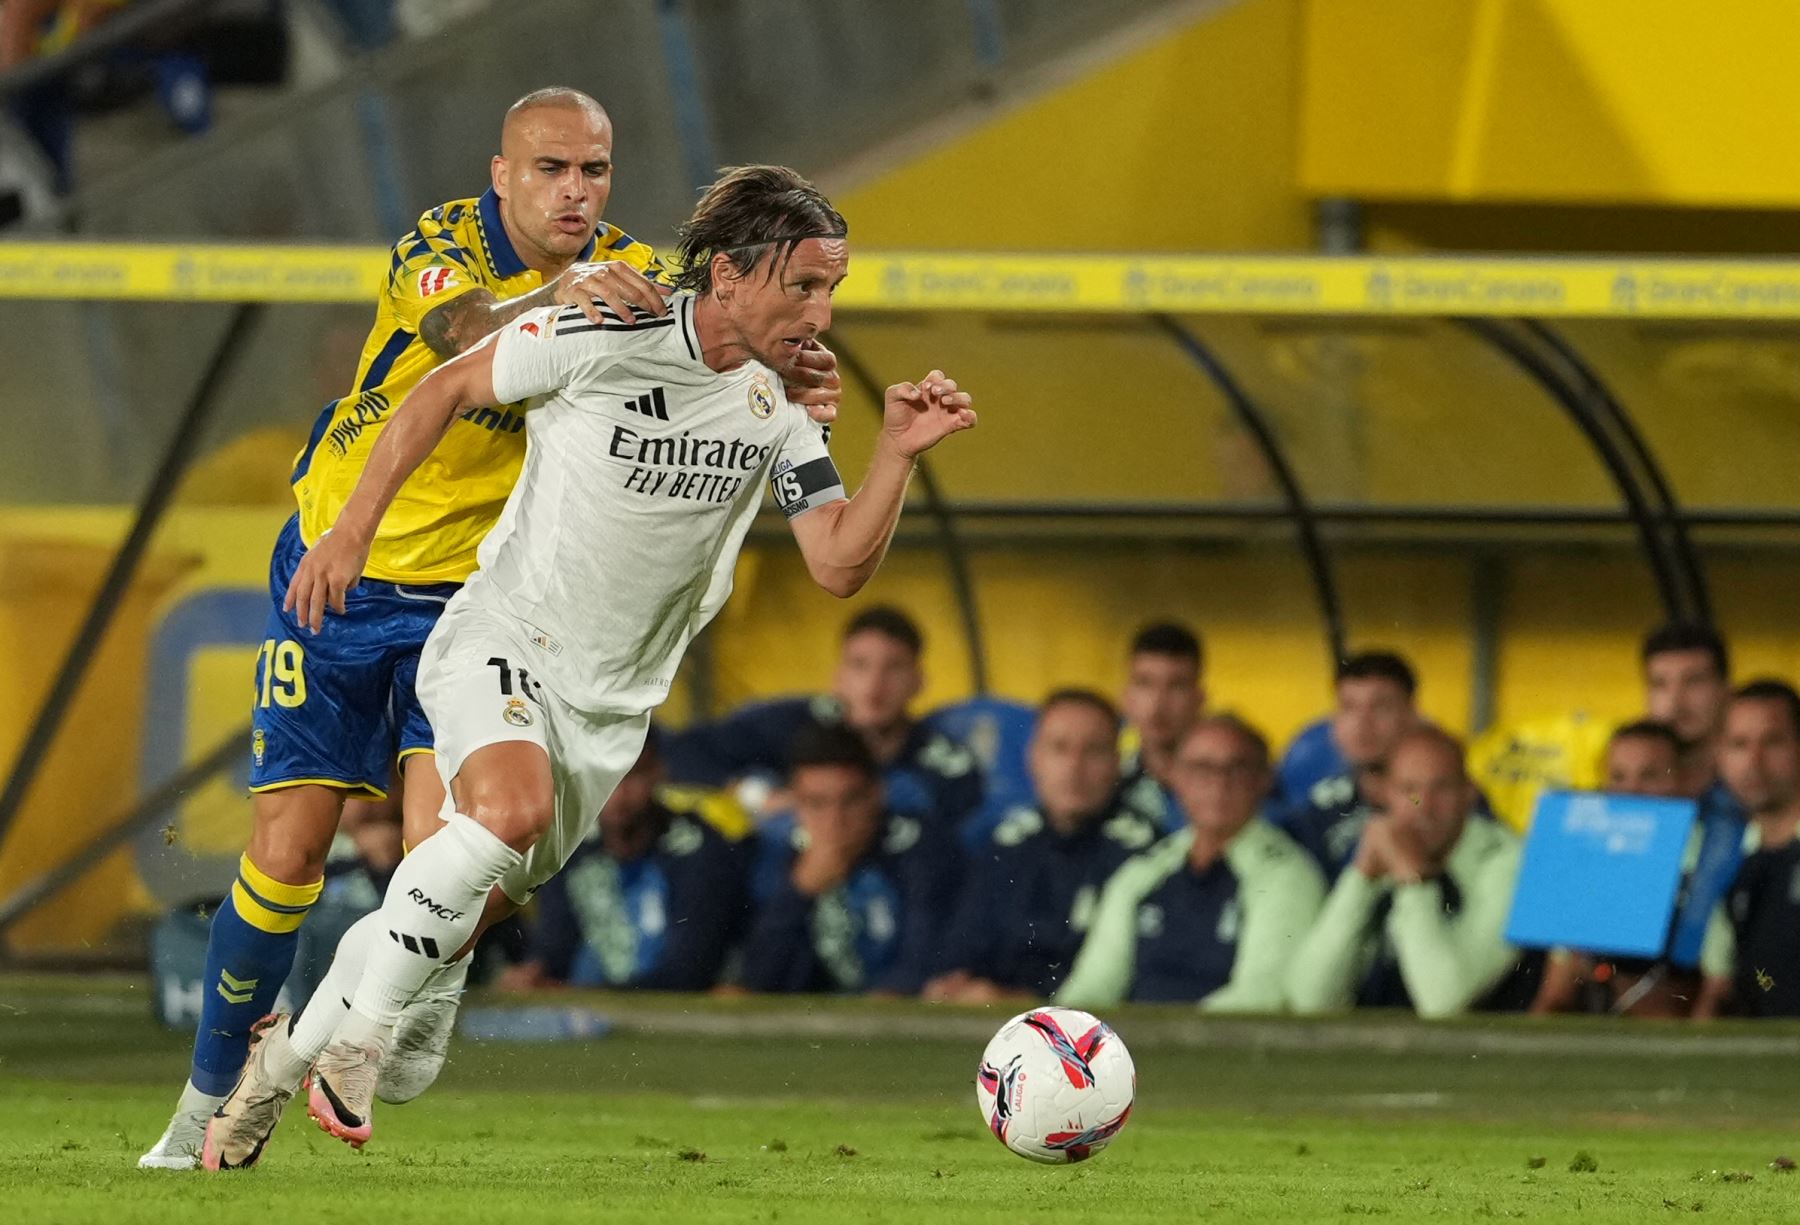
<point x="774" y="1114"/>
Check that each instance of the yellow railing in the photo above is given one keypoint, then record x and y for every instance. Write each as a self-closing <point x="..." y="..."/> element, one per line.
<point x="1237" y="284"/>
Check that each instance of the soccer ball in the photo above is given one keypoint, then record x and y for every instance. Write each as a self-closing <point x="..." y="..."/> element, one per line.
<point x="1055" y="1085"/>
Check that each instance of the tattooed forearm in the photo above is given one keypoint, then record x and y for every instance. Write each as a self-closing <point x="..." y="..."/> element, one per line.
<point x="459" y="325"/>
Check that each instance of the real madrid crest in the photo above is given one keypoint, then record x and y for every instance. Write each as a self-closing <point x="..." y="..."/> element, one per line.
<point x="762" y="398"/>
<point x="516" y="714"/>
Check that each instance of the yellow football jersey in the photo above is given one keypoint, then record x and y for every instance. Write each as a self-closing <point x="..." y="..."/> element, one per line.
<point x="430" y="533"/>
<point x="1515" y="763"/>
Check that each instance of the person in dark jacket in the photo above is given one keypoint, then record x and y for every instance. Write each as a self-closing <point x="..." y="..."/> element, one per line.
<point x="856" y="897"/>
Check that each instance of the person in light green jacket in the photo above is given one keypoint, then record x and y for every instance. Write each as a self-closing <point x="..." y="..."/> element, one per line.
<point x="1211" y="913"/>
<point x="1418" y="918"/>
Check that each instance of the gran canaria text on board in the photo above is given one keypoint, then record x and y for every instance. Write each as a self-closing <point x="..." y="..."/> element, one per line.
<point x="1437" y="285"/>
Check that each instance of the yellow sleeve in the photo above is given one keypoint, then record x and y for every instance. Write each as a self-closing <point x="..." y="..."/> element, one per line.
<point x="428" y="272"/>
<point x="717" y="808"/>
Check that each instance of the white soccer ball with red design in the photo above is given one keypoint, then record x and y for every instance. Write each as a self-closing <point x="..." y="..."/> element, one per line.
<point x="1055" y="1085"/>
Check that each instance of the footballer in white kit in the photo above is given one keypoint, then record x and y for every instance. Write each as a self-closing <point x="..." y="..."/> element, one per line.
<point x="643" y="471"/>
<point x="649" y="442"/>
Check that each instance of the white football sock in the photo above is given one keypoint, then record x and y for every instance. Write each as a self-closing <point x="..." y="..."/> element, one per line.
<point x="433" y="905"/>
<point x="312" y="1029"/>
<point x="449" y="980"/>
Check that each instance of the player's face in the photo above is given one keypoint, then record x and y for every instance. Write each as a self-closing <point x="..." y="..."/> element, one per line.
<point x="1759" y="755"/>
<point x="1642" y="765"/>
<point x="1074" y="762"/>
<point x="877" y="679"/>
<point x="838" y="806"/>
<point x="1685" y="691"/>
<point x="1162" y="697"/>
<point x="1373" y="713"/>
<point x="622" y="817"/>
<point x="553" y="177"/>
<point x="1428" y="795"/>
<point x="1219" y="781"/>
<point x="781" y="307"/>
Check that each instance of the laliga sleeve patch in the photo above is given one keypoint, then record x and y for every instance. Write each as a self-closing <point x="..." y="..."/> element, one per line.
<point x="801" y="488"/>
<point x="436" y="280"/>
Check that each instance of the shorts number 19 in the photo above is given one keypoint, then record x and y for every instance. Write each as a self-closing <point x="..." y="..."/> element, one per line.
<point x="282" y="666"/>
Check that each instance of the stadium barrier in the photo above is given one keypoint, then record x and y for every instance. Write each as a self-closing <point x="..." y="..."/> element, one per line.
<point x="1435" y="285"/>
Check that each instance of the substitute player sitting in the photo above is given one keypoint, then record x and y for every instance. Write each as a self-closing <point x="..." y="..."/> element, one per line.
<point x="1213" y="913"/>
<point x="615" y="549"/>
<point x="334" y="708"/>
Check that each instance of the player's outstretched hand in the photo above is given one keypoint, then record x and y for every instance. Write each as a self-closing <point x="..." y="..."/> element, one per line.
<point x="329" y="569"/>
<point x="815" y="385"/>
<point x="921" y="415"/>
<point x="615" y="283"/>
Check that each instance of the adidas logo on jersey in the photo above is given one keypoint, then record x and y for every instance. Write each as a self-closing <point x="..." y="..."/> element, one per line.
<point x="651" y="404"/>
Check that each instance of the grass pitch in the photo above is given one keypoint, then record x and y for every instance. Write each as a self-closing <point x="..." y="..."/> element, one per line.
<point x="834" y="1111"/>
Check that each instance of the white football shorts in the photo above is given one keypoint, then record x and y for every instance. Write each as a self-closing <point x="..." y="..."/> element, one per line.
<point x="476" y="687"/>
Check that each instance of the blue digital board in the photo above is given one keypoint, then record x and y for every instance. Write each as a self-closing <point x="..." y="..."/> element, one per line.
<point x="1600" y="873"/>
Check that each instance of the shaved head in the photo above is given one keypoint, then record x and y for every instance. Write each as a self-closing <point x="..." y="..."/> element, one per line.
<point x="556" y="97"/>
<point x="1429" y="795"/>
<point x="553" y="175"/>
<point x="1445" y="750"/>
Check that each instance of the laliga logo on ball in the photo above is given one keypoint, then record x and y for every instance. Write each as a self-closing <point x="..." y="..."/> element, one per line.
<point x="1055" y="1085"/>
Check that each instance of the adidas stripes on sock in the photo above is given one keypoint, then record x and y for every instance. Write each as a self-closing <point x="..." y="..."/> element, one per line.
<point x="433" y="905"/>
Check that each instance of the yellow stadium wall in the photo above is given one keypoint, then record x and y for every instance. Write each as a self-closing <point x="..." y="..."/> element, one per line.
<point x="92" y="773"/>
<point x="89" y="774"/>
<point x="1662" y="102"/>
<point x="1505" y="125"/>
<point x="1185" y="145"/>
<point x="1462" y="124"/>
<point x="1396" y="227"/>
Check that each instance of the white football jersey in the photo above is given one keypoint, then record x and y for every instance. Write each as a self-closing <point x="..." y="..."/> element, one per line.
<point x="643" y="470"/>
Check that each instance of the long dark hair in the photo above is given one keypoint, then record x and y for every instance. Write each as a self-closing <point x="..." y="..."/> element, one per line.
<point x="753" y="214"/>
